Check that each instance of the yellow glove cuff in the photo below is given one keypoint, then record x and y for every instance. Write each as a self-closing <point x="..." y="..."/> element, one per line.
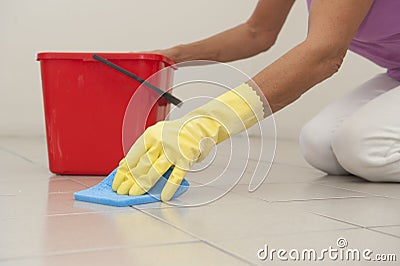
<point x="245" y="101"/>
<point x="235" y="111"/>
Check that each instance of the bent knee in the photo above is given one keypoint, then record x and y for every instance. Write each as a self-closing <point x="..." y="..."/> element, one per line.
<point x="315" y="146"/>
<point x="361" y="153"/>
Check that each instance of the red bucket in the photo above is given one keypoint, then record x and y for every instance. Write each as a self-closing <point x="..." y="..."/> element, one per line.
<point x="85" y="103"/>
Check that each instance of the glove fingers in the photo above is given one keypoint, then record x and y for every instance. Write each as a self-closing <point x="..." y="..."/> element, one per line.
<point x="127" y="163"/>
<point x="137" y="150"/>
<point x="174" y="181"/>
<point x="125" y="172"/>
<point x="142" y="168"/>
<point x="146" y="181"/>
<point x="121" y="175"/>
<point x="145" y="162"/>
<point x="123" y="189"/>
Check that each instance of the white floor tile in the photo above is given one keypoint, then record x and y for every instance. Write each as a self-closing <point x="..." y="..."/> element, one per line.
<point x="196" y="253"/>
<point x="283" y="173"/>
<point x="243" y="219"/>
<point x="87" y="181"/>
<point x="30" y="148"/>
<point x="375" y="189"/>
<point x="356" y="239"/>
<point x="365" y="212"/>
<point x="296" y="191"/>
<point x="338" y="179"/>
<point x="392" y="230"/>
<point x="297" y="206"/>
<point x="33" y="186"/>
<point x="72" y="233"/>
<point x="279" y="173"/>
<point x="13" y="167"/>
<point x="287" y="151"/>
<point x="40" y="204"/>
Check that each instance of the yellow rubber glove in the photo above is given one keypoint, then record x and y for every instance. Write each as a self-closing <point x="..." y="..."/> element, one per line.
<point x="181" y="143"/>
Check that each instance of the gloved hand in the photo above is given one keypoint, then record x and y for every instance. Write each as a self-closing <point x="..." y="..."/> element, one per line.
<point x="181" y="143"/>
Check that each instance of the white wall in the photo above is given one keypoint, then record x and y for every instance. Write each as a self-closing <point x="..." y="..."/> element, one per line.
<point x="27" y="27"/>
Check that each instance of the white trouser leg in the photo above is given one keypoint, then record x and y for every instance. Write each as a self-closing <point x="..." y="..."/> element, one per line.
<point x="367" y="144"/>
<point x="317" y="135"/>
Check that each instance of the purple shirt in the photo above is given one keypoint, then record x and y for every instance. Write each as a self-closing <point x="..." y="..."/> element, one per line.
<point x="378" y="37"/>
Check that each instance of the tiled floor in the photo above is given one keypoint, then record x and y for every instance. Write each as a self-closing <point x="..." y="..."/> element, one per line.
<point x="297" y="207"/>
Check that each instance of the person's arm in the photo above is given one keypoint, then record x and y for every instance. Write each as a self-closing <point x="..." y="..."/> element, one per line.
<point x="332" y="25"/>
<point x="180" y="143"/>
<point x="252" y="37"/>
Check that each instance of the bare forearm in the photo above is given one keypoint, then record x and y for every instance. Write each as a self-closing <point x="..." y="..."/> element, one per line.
<point x="237" y="43"/>
<point x="332" y="25"/>
<point x="300" y="69"/>
<point x="257" y="34"/>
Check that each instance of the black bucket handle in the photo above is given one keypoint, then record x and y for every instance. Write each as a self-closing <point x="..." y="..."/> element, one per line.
<point x="169" y="97"/>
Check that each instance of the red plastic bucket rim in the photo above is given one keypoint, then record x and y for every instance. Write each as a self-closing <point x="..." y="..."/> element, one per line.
<point x="88" y="56"/>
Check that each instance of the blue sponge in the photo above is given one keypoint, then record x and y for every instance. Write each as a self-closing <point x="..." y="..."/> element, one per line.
<point x="102" y="193"/>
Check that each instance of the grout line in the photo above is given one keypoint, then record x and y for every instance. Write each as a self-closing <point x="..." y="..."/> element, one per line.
<point x="353" y="190"/>
<point x="62" y="192"/>
<point x="227" y="252"/>
<point x="327" y="216"/>
<point x="88" y="212"/>
<point x="121" y="247"/>
<point x="302" y="233"/>
<point x="383" y="226"/>
<point x="338" y="220"/>
<point x="19" y="156"/>
<point x="318" y="199"/>
<point x="68" y="179"/>
<point x="359" y="191"/>
<point x="88" y="250"/>
<point x="83" y="184"/>
<point x="384" y="233"/>
<point x="309" y="200"/>
<point x="105" y="212"/>
<point x="195" y="236"/>
<point x="340" y="198"/>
